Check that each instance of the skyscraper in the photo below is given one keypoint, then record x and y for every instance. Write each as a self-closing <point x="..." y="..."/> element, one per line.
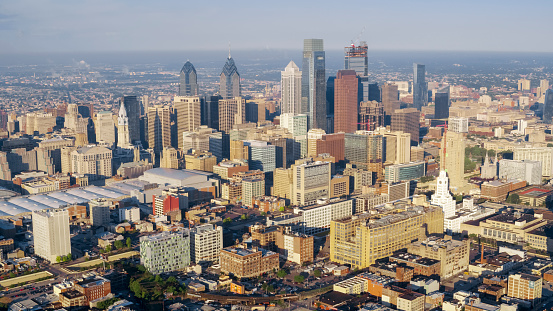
<point x="408" y="121"/>
<point x="123" y="139"/>
<point x="132" y="107"/>
<point x="159" y="128"/>
<point x="345" y="101"/>
<point x="230" y="80"/>
<point x="313" y="83"/>
<point x="548" y="106"/>
<point x="441" y="104"/>
<point x="188" y="111"/>
<point x="290" y="85"/>
<point x="453" y="159"/>
<point x="188" y="83"/>
<point x="51" y="233"/>
<point x="390" y="98"/>
<point x="231" y="111"/>
<point x="105" y="127"/>
<point x="355" y="58"/>
<point x="442" y="197"/>
<point x="371" y="115"/>
<point x="420" y="88"/>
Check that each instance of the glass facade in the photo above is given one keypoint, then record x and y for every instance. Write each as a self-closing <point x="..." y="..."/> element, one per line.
<point x="313" y="84"/>
<point x="420" y="88"/>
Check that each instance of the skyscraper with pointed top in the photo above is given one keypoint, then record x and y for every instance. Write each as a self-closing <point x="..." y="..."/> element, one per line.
<point x="123" y="139"/>
<point x="290" y="85"/>
<point x="188" y="85"/>
<point x="230" y="80"/>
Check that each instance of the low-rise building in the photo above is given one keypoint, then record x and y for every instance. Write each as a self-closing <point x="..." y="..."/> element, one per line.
<point x="268" y="204"/>
<point x="421" y="265"/>
<point x="247" y="262"/>
<point x="293" y="246"/>
<point x="525" y="286"/>
<point x="453" y="255"/>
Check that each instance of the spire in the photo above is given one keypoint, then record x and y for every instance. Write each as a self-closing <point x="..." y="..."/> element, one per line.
<point x="229" y="50"/>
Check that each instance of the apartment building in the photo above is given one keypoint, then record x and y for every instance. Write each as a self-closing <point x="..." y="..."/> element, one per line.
<point x="206" y="241"/>
<point x="51" y="233"/>
<point x="293" y="246"/>
<point x="317" y="217"/>
<point x="165" y="251"/>
<point x="247" y="262"/>
<point x="311" y="181"/>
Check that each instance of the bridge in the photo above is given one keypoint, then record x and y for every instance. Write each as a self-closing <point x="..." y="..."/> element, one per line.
<point x="240" y="299"/>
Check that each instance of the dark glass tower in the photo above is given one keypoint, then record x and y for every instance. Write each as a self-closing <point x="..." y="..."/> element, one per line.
<point x="188" y="84"/>
<point x="132" y="106"/>
<point x="230" y="80"/>
<point x="548" y="106"/>
<point x="441" y="104"/>
<point x="420" y="88"/>
<point x="313" y="83"/>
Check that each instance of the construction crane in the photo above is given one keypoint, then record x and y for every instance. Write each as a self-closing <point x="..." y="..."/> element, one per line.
<point x="443" y="138"/>
<point x="368" y="123"/>
<point x="355" y="42"/>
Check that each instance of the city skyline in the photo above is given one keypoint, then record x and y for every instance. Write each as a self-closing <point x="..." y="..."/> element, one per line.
<point x="69" y="26"/>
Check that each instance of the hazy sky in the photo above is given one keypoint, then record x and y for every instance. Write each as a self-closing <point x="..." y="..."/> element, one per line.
<point x="139" y="25"/>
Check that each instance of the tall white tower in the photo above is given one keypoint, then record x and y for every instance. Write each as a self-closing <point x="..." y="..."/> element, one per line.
<point x="442" y="197"/>
<point x="123" y="138"/>
<point x="290" y="85"/>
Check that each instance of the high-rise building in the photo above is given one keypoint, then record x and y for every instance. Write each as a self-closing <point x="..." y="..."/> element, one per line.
<point x="313" y="83"/>
<point x="293" y="246"/>
<point x="458" y="125"/>
<point x="39" y="122"/>
<point x="318" y="143"/>
<point x="232" y="111"/>
<point x="159" y="128"/>
<point x="290" y="88"/>
<point x="527" y="170"/>
<point x="297" y="126"/>
<point x="543" y="155"/>
<point x="345" y="101"/>
<point x="165" y="251"/>
<point x="525" y="286"/>
<point x="544" y="86"/>
<point x="524" y="85"/>
<point x="355" y="58"/>
<point x="453" y="255"/>
<point x="206" y="241"/>
<point x="406" y="171"/>
<point x="105" y="127"/>
<point x="188" y="111"/>
<point x="548" y="106"/>
<point x="132" y="108"/>
<point x="390" y="98"/>
<point x="442" y="197"/>
<point x="311" y="181"/>
<point x="99" y="212"/>
<point x="230" y="80"/>
<point x="397" y="144"/>
<point x="408" y="121"/>
<point x="261" y="155"/>
<point x="365" y="150"/>
<point x="51" y="233"/>
<point x="252" y="187"/>
<point x="123" y="136"/>
<point x="188" y="82"/>
<point x="93" y="162"/>
<point x="420" y="87"/>
<point x="371" y="115"/>
<point x="441" y="104"/>
<point x="169" y="158"/>
<point x="282" y="183"/>
<point x="453" y="159"/>
<point x="74" y="121"/>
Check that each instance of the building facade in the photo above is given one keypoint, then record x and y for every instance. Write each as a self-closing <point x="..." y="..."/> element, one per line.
<point x="51" y="233"/>
<point x="165" y="251"/>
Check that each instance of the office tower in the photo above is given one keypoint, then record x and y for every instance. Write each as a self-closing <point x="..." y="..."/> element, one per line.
<point x="159" y="128"/>
<point x="290" y="88"/>
<point x="132" y="108"/>
<point x="330" y="99"/>
<point x="540" y="154"/>
<point x="204" y="139"/>
<point x="313" y="83"/>
<point x="188" y="111"/>
<point x="261" y="155"/>
<point x="441" y="104"/>
<point x="458" y="125"/>
<point x="544" y="86"/>
<point x="169" y="158"/>
<point x="397" y="146"/>
<point x="123" y="137"/>
<point x="548" y="106"/>
<point x="39" y="122"/>
<point x="297" y="126"/>
<point x="231" y="111"/>
<point x="355" y="58"/>
<point x="206" y="241"/>
<point x="93" y="162"/>
<point x="453" y="159"/>
<point x="365" y="150"/>
<point x="527" y="170"/>
<point x="345" y="101"/>
<point x="74" y="121"/>
<point x="420" y="87"/>
<point x="252" y="187"/>
<point x="442" y="197"/>
<point x="524" y="85"/>
<point x="311" y="181"/>
<point x="390" y="98"/>
<point x="210" y="111"/>
<point x="51" y="233"/>
<point x="230" y="80"/>
<point x="99" y="212"/>
<point x="408" y="121"/>
<point x="282" y="183"/>
<point x="361" y="241"/>
<point x="188" y="83"/>
<point x="5" y="172"/>
<point x="371" y="115"/>
<point x="166" y="251"/>
<point x="105" y="127"/>
<point x="144" y="104"/>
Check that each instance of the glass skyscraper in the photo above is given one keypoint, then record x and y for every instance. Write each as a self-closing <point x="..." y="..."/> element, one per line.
<point x="230" y="80"/>
<point x="188" y="84"/>
<point x="355" y="58"/>
<point x="548" y="106"/>
<point x="420" y="88"/>
<point x="313" y="83"/>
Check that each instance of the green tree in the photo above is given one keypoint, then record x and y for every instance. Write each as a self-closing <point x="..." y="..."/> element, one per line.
<point x="549" y="145"/>
<point x="129" y="243"/>
<point x="263" y="214"/>
<point x="469" y="165"/>
<point x="58" y="259"/>
<point x="227" y="220"/>
<point x="270" y="288"/>
<point x="299" y="278"/>
<point x="282" y="209"/>
<point x="491" y="153"/>
<point x="459" y="198"/>
<point x="172" y="280"/>
<point x="69" y="257"/>
<point x="158" y="279"/>
<point x="317" y="273"/>
<point x="244" y="216"/>
<point x="107" y="248"/>
<point x="282" y="273"/>
<point x="513" y="198"/>
<point x="118" y="244"/>
<point x="12" y="275"/>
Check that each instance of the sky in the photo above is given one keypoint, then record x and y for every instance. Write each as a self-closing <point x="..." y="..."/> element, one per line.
<point x="37" y="26"/>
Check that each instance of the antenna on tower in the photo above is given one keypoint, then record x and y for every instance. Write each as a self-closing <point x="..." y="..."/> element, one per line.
<point x="229" y="49"/>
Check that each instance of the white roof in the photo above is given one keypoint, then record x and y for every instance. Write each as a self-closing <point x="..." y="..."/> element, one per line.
<point x="28" y="204"/>
<point x="104" y="192"/>
<point x="67" y="197"/>
<point x="10" y="209"/>
<point x="81" y="193"/>
<point x="46" y="200"/>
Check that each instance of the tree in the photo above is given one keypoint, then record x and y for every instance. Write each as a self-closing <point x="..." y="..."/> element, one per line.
<point x="227" y="220"/>
<point x="299" y="278"/>
<point x="244" y="216"/>
<point x="282" y="209"/>
<point x="513" y="198"/>
<point x="69" y="257"/>
<point x="282" y="273"/>
<point x="549" y="145"/>
<point x="158" y="279"/>
<point x="459" y="198"/>
<point x="108" y="248"/>
<point x="491" y="153"/>
<point x="263" y="214"/>
<point x="129" y="243"/>
<point x="172" y="280"/>
<point x="317" y="273"/>
<point x="469" y="165"/>
<point x="58" y="259"/>
<point x="270" y="288"/>
<point x="118" y="244"/>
